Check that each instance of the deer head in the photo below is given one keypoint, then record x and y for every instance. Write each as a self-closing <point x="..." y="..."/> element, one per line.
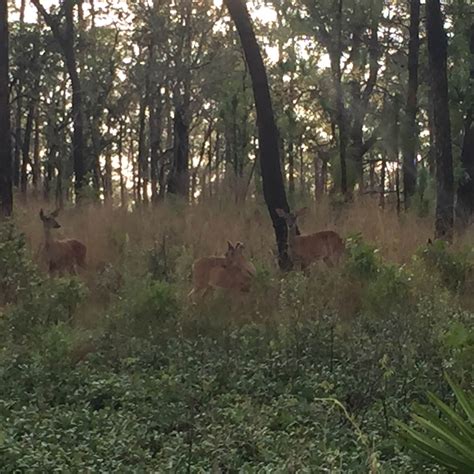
<point x="291" y="217"/>
<point x="50" y="222"/>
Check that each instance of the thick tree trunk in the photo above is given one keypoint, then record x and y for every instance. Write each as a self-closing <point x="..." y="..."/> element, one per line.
<point x="273" y="188"/>
<point x="437" y="51"/>
<point x="465" y="200"/>
<point x="410" y="129"/>
<point x="6" y="199"/>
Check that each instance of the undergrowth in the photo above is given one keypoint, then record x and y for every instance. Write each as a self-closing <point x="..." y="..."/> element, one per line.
<point x="117" y="371"/>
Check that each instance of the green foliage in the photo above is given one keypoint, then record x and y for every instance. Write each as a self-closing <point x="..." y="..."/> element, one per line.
<point x="17" y="272"/>
<point x="453" y="267"/>
<point x="147" y="305"/>
<point x="389" y="291"/>
<point x="362" y="258"/>
<point x="447" y="440"/>
<point x="307" y="371"/>
<point x="48" y="302"/>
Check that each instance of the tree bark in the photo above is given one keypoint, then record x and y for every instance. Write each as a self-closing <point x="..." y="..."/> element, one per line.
<point x="465" y="194"/>
<point x="142" y="187"/>
<point x="410" y="132"/>
<point x="6" y="198"/>
<point x="341" y="112"/>
<point x="179" y="178"/>
<point x="437" y="52"/>
<point x="273" y="188"/>
<point x="65" y="39"/>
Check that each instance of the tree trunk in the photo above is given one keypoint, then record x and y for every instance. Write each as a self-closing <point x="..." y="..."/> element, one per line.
<point x="179" y="178"/>
<point x="36" y="172"/>
<point x="437" y="51"/>
<point x="382" y="181"/>
<point x="465" y="201"/>
<point x="19" y="104"/>
<point x="142" y="186"/>
<point x="410" y="132"/>
<point x="341" y="112"/>
<point x="273" y="188"/>
<point x="155" y="142"/>
<point x="123" y="190"/>
<point x="26" y="147"/>
<point x="66" y="41"/>
<point x="6" y="198"/>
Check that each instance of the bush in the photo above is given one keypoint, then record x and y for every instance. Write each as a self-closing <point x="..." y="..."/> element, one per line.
<point x="453" y="267"/>
<point x="48" y="301"/>
<point x="147" y="305"/>
<point x="17" y="272"/>
<point x="362" y="259"/>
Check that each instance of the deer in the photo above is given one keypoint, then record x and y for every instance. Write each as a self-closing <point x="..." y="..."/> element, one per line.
<point x="61" y="255"/>
<point x="327" y="245"/>
<point x="231" y="271"/>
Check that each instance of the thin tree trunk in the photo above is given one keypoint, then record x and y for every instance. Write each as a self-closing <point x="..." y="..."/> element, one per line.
<point x="155" y="142"/>
<point x="437" y="51"/>
<point x="26" y="148"/>
<point x="341" y="112"/>
<point x="123" y="191"/>
<point x="179" y="178"/>
<point x="66" y="41"/>
<point x="6" y="198"/>
<point x="410" y="132"/>
<point x="273" y="188"/>
<point x="36" y="152"/>
<point x="142" y="155"/>
<point x="382" y="182"/>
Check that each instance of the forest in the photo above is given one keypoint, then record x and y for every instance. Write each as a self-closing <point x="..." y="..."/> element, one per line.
<point x="236" y="236"/>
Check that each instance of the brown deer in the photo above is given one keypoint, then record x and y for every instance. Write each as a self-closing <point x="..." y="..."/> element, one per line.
<point x="61" y="255"/>
<point x="306" y="249"/>
<point x="232" y="272"/>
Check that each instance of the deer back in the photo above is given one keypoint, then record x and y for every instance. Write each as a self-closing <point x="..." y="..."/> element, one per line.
<point x="202" y="269"/>
<point x="318" y="246"/>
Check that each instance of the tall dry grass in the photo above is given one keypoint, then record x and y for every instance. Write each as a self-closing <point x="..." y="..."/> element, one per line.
<point x="203" y="229"/>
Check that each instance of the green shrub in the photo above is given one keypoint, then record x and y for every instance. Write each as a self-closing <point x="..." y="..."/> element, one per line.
<point x="362" y="259"/>
<point x="453" y="267"/>
<point x="389" y="291"/>
<point x="48" y="302"/>
<point x="17" y="272"/>
<point x="147" y="305"/>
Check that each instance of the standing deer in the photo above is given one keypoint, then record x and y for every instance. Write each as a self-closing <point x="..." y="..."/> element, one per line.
<point x="306" y="249"/>
<point x="61" y="255"/>
<point x="232" y="271"/>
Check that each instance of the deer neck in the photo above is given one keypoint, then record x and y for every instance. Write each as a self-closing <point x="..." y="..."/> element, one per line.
<point x="292" y="239"/>
<point x="48" y="239"/>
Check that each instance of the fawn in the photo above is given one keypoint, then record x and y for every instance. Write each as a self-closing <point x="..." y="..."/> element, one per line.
<point x="306" y="249"/>
<point x="232" y="271"/>
<point x="61" y="255"/>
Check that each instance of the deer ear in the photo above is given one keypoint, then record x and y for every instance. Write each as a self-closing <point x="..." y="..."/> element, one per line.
<point x="229" y="245"/>
<point x="55" y="213"/>
<point x="239" y="245"/>
<point x="301" y="211"/>
<point x="281" y="213"/>
<point x="41" y="214"/>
